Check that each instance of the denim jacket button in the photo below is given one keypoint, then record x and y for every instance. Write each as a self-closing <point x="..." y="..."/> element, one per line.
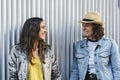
<point x="97" y="71"/>
<point x="95" y="54"/>
<point x="95" y="62"/>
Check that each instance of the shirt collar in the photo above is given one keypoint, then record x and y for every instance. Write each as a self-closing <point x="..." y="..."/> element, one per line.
<point x="84" y="44"/>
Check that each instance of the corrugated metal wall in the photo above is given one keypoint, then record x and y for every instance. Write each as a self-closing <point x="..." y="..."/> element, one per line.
<point x="61" y="17"/>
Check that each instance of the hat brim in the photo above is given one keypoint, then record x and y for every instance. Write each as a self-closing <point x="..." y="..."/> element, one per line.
<point x="96" y="22"/>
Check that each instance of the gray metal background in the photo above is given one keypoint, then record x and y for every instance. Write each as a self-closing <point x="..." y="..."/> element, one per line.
<point x="61" y="17"/>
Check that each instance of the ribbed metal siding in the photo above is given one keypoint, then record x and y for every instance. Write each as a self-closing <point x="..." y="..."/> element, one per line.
<point x="61" y="17"/>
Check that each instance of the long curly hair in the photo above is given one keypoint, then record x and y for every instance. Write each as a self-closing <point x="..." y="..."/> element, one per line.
<point x="98" y="31"/>
<point x="29" y="35"/>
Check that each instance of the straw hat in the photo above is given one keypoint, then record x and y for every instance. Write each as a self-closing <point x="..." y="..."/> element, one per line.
<point x="92" y="17"/>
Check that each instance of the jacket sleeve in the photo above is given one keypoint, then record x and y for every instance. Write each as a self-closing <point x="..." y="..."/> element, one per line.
<point x="115" y="61"/>
<point x="74" y="71"/>
<point x="12" y="65"/>
<point x="55" y="75"/>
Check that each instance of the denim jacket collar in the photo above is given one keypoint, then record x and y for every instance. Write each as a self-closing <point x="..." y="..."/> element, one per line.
<point x="84" y="44"/>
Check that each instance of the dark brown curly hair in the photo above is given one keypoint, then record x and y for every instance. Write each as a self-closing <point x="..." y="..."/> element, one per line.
<point x="98" y="31"/>
<point x="29" y="35"/>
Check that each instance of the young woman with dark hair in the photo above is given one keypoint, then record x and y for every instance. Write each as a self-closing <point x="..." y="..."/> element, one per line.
<point x="31" y="58"/>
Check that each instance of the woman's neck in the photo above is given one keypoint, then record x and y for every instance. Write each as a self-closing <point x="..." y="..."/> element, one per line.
<point x="35" y="53"/>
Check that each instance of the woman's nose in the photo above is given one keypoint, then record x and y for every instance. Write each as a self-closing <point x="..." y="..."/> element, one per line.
<point x="45" y="30"/>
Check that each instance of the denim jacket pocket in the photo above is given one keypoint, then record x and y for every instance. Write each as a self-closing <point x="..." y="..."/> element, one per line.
<point x="80" y="57"/>
<point x="104" y="57"/>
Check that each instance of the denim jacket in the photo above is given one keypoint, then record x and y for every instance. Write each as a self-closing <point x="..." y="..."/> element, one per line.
<point x="106" y="59"/>
<point x="18" y="65"/>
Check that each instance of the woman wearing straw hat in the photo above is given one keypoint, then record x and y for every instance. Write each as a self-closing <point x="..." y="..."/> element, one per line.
<point x="95" y="57"/>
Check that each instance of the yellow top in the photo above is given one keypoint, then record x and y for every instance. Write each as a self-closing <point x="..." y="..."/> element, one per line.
<point x="35" y="71"/>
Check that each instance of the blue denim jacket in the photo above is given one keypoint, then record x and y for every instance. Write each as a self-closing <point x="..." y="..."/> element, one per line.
<point x="106" y="59"/>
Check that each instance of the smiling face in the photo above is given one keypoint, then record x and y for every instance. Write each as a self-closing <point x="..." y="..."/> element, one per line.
<point x="42" y="31"/>
<point x="87" y="30"/>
